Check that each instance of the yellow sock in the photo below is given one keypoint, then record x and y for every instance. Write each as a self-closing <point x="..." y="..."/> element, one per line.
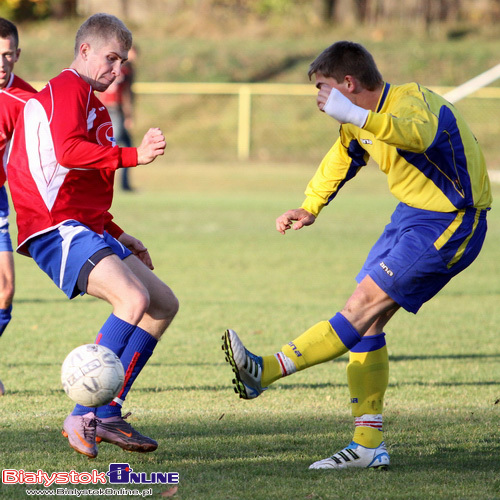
<point x="368" y="437"/>
<point x="318" y="344"/>
<point x="271" y="370"/>
<point x="368" y="377"/>
<point x="322" y="342"/>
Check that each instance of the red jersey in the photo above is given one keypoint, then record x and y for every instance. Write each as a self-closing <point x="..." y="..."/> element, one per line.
<point x="13" y="97"/>
<point x="63" y="160"/>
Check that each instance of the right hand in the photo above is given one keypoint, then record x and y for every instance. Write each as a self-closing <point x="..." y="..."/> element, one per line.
<point x="300" y="216"/>
<point x="153" y="144"/>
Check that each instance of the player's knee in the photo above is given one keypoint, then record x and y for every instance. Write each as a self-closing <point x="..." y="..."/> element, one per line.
<point x="6" y="296"/>
<point x="167" y="304"/>
<point x="138" y="303"/>
<point x="172" y="306"/>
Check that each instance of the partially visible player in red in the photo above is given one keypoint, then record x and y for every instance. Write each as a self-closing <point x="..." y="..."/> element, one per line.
<point x="119" y="100"/>
<point x="14" y="92"/>
<point x="61" y="172"/>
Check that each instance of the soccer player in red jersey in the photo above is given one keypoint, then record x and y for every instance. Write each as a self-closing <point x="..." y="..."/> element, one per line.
<point x="61" y="172"/>
<point x="14" y="92"/>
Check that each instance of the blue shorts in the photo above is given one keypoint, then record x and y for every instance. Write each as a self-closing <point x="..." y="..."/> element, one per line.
<point x="65" y="254"/>
<point x="5" y="241"/>
<point x="420" y="251"/>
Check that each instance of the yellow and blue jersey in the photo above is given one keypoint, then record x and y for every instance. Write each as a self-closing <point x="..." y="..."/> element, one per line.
<point x="421" y="142"/>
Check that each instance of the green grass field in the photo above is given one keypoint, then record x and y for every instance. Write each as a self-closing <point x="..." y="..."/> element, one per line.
<point x="211" y="233"/>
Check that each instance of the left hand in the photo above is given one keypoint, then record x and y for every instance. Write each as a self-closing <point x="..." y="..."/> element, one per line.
<point x="137" y="248"/>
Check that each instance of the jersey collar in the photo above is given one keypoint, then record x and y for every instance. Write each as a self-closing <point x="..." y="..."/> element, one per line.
<point x="383" y="97"/>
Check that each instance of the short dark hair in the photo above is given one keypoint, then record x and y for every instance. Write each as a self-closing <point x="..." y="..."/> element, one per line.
<point x="7" y="29"/>
<point x="347" y="58"/>
<point x="103" y="27"/>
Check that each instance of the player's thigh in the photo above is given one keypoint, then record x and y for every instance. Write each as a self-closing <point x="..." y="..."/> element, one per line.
<point x="161" y="295"/>
<point x="112" y="280"/>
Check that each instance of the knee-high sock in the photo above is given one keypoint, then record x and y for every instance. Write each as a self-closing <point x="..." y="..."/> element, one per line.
<point x="368" y="377"/>
<point x="134" y="357"/>
<point x="5" y="317"/>
<point x="114" y="335"/>
<point x="324" y="341"/>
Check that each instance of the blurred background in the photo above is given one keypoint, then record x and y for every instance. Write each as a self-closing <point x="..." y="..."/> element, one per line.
<point x="227" y="79"/>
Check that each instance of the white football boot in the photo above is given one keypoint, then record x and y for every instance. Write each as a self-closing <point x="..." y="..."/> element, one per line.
<point x="246" y="366"/>
<point x="356" y="455"/>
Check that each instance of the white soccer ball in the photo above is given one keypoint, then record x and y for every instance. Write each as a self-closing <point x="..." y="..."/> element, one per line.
<point x="92" y="375"/>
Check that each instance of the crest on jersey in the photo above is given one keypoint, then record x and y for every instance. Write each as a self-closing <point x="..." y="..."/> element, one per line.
<point x="104" y="134"/>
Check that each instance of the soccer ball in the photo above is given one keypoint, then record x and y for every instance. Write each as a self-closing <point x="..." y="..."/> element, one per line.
<point x="92" y="375"/>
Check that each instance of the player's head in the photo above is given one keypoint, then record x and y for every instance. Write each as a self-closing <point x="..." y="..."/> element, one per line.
<point x="101" y="47"/>
<point x="347" y="58"/>
<point x="9" y="50"/>
<point x="101" y="28"/>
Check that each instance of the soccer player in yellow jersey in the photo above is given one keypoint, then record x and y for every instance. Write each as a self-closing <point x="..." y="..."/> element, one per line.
<point x="436" y="169"/>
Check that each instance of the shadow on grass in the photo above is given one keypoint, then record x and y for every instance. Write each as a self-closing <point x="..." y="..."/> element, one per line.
<point x="239" y="441"/>
<point x="443" y="356"/>
<point x="278" y="387"/>
<point x="397" y="358"/>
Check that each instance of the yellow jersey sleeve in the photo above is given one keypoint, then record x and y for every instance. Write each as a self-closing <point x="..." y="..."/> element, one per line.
<point x="339" y="165"/>
<point x="421" y="142"/>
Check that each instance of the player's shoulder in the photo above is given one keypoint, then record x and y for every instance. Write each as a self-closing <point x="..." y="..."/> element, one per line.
<point x="17" y="91"/>
<point x="21" y="89"/>
<point x="411" y="89"/>
<point x="23" y="85"/>
<point x="412" y="95"/>
<point x="69" y="81"/>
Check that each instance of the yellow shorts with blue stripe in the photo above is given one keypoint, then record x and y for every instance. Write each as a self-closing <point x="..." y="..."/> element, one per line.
<point x="420" y="251"/>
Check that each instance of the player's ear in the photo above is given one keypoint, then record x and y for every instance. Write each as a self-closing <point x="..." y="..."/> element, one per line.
<point x="18" y="53"/>
<point x="84" y="50"/>
<point x="351" y="83"/>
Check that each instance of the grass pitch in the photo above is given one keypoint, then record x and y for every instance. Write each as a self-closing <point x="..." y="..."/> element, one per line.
<point x="211" y="233"/>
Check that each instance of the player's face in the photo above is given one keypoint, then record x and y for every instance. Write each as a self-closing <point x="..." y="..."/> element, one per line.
<point x="102" y="63"/>
<point x="9" y="55"/>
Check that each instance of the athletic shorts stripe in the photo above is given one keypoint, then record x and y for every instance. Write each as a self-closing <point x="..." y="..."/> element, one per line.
<point x="462" y="248"/>
<point x="420" y="251"/>
<point x="5" y="240"/>
<point x="63" y="252"/>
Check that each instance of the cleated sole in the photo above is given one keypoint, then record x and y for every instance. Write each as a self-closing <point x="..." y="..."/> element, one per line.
<point x="380" y="467"/>
<point x="239" y="387"/>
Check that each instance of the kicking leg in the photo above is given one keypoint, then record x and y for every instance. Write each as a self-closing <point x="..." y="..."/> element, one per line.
<point x="324" y="341"/>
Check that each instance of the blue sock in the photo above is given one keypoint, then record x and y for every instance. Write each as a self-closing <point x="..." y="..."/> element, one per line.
<point x="5" y="317"/>
<point x="346" y="332"/>
<point x="82" y="410"/>
<point x="114" y="335"/>
<point x="369" y="344"/>
<point x="134" y="357"/>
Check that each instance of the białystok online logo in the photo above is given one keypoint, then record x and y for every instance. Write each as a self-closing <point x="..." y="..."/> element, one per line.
<point x="117" y="474"/>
